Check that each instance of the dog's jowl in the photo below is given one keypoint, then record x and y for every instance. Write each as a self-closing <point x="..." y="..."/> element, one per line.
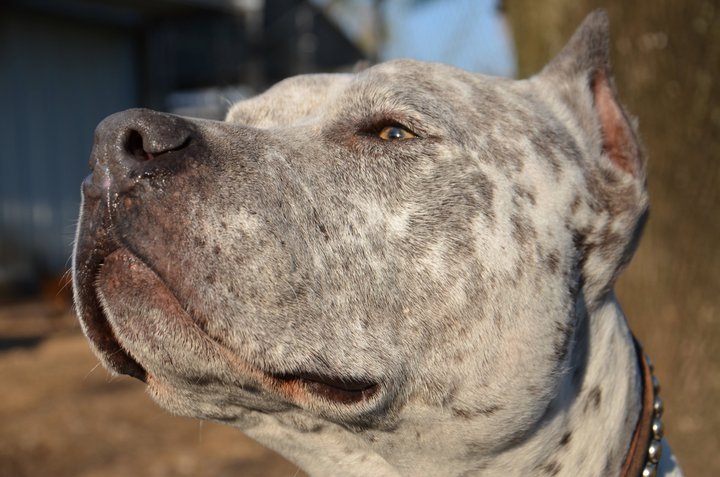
<point x="404" y="271"/>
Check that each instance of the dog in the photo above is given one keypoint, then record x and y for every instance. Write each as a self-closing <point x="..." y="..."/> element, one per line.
<point x="404" y="271"/>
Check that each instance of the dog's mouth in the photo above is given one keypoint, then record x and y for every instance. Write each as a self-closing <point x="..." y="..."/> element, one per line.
<point x="108" y="268"/>
<point x="334" y="389"/>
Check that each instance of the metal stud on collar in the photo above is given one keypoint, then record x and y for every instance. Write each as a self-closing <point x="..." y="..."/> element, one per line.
<point x="654" y="451"/>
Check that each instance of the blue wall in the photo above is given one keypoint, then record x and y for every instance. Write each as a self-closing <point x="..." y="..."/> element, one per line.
<point x="58" y="79"/>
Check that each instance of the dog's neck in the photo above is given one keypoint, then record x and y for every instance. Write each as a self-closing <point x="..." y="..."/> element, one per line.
<point x="586" y="429"/>
<point x="593" y="417"/>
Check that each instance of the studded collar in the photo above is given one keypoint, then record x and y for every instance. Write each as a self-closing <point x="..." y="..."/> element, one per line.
<point x="646" y="446"/>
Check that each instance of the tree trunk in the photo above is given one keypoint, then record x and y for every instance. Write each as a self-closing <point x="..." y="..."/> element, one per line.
<point x="666" y="57"/>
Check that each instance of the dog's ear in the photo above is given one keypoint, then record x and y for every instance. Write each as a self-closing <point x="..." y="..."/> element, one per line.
<point x="582" y="68"/>
<point x="613" y="210"/>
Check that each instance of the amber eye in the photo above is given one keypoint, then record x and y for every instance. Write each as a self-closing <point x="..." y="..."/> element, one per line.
<point x="395" y="133"/>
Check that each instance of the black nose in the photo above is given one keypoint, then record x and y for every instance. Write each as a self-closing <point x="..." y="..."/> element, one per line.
<point x="127" y="142"/>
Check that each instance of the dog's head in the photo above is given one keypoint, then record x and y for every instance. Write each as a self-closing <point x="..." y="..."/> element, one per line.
<point x="349" y="247"/>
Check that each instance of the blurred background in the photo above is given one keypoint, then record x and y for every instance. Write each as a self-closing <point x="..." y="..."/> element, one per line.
<point x="66" y="64"/>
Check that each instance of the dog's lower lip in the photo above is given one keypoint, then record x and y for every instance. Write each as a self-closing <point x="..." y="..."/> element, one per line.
<point x="121" y="361"/>
<point x="102" y="334"/>
<point x="334" y="389"/>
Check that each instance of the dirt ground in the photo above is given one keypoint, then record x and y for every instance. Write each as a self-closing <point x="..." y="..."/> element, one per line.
<point x="61" y="415"/>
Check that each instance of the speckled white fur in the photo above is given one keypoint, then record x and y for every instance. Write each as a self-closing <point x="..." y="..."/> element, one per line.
<point x="468" y="272"/>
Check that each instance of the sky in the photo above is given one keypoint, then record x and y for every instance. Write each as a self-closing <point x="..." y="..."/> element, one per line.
<point x="469" y="34"/>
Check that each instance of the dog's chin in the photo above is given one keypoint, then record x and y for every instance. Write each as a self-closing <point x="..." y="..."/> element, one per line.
<point x="127" y="310"/>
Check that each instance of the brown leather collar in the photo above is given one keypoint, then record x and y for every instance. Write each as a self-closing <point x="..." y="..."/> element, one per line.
<point x="638" y="453"/>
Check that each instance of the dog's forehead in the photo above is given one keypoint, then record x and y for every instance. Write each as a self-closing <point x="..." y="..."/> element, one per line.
<point x="393" y="86"/>
<point x="414" y="73"/>
<point x="433" y="90"/>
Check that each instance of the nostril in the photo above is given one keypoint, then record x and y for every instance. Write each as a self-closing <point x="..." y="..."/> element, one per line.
<point x="134" y="146"/>
<point x="142" y="148"/>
